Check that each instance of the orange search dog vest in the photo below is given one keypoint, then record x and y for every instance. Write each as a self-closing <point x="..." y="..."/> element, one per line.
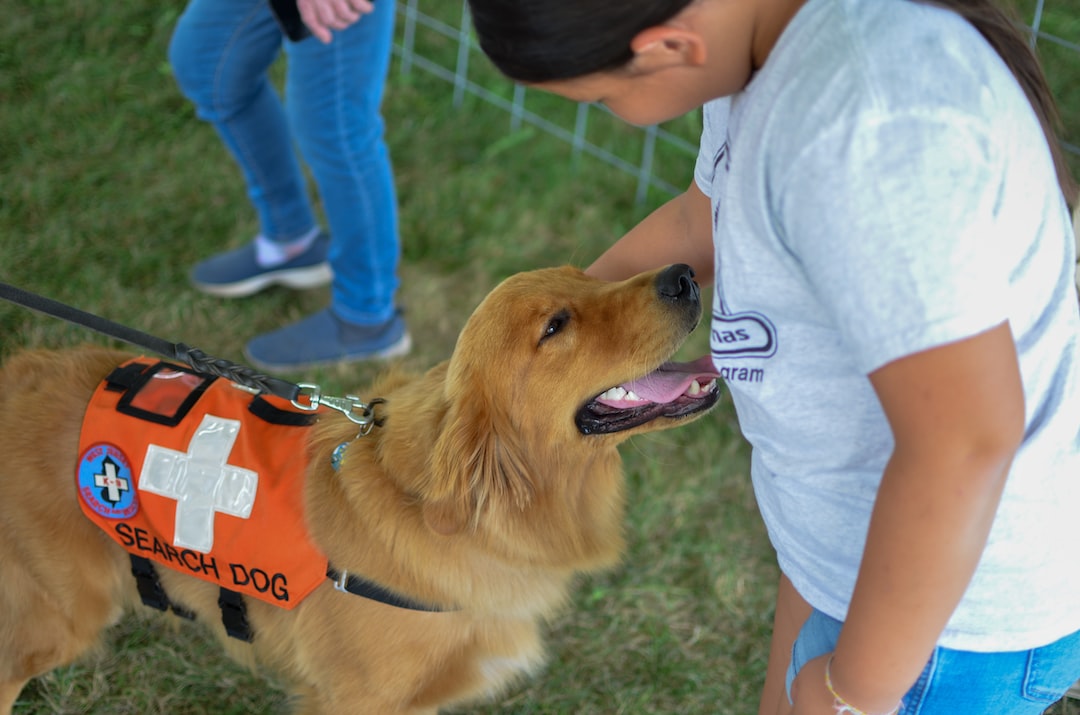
<point x="200" y="475"/>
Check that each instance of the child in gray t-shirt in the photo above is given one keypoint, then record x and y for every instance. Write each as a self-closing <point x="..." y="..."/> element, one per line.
<point x="881" y="202"/>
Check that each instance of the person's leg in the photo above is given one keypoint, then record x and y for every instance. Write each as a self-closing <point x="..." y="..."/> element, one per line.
<point x="333" y="97"/>
<point x="220" y="52"/>
<point x="791" y="612"/>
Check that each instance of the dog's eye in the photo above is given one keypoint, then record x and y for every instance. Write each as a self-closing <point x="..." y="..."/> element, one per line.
<point x="556" y="324"/>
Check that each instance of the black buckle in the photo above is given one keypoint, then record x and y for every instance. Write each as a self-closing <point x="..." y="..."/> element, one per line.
<point x="150" y="590"/>
<point x="234" y="615"/>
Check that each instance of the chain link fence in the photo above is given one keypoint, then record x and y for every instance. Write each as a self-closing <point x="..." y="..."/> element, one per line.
<point x="434" y="36"/>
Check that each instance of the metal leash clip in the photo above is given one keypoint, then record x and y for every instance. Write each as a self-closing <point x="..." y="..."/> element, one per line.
<point x="342" y="579"/>
<point x="358" y="411"/>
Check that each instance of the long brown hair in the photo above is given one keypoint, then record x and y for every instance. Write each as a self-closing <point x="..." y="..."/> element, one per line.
<point x="1001" y="28"/>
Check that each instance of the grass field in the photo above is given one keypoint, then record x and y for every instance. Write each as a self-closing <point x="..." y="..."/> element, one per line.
<point x="110" y="189"/>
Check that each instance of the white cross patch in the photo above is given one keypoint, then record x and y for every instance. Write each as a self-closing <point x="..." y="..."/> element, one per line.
<point x="110" y="482"/>
<point x="201" y="482"/>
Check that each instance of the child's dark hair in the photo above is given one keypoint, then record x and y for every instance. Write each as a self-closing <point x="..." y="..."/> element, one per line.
<point x="543" y="40"/>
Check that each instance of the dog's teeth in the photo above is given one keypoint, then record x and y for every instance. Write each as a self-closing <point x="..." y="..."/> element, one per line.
<point x="694" y="389"/>
<point x="631" y="395"/>
<point x="615" y="393"/>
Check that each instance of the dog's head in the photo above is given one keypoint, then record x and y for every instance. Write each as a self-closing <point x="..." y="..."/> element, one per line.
<point x="552" y="370"/>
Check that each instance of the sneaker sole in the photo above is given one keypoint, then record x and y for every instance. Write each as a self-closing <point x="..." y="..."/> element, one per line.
<point x="398" y="349"/>
<point x="296" y="278"/>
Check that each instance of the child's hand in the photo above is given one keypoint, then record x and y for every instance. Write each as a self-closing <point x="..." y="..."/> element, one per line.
<point x="322" y="16"/>
<point x="809" y="692"/>
<point x="813" y="697"/>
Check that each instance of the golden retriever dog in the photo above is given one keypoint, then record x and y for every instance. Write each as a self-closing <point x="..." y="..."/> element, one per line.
<point x="488" y="482"/>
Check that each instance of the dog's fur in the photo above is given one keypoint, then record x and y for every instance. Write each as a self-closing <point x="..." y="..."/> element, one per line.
<point x="478" y="493"/>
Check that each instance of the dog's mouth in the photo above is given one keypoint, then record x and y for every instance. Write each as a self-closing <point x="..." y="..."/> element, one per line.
<point x="674" y="390"/>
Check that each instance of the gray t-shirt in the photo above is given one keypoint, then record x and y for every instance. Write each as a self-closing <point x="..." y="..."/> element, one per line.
<point x="881" y="187"/>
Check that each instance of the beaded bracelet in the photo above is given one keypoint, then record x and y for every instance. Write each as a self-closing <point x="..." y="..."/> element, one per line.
<point x="843" y="707"/>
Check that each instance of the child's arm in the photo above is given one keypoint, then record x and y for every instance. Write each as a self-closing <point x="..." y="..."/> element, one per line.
<point x="957" y="416"/>
<point x="680" y="231"/>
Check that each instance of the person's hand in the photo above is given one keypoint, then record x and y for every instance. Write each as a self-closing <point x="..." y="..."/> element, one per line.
<point x="811" y="694"/>
<point x="324" y="16"/>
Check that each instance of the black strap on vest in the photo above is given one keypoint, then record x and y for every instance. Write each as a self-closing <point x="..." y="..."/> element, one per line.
<point x="231" y="603"/>
<point x="234" y="615"/>
<point x="261" y="408"/>
<point x="150" y="589"/>
<point x="358" y="586"/>
<point x="124" y="377"/>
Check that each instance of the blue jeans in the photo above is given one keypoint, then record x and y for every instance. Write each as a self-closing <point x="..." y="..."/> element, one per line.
<point x="956" y="681"/>
<point x="221" y="51"/>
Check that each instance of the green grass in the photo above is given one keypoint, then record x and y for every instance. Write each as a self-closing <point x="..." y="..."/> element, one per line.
<point x="110" y="189"/>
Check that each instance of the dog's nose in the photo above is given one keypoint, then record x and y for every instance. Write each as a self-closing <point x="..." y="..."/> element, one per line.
<point x="676" y="284"/>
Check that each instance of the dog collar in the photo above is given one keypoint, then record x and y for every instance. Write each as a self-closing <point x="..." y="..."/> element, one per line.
<point x="358" y="586"/>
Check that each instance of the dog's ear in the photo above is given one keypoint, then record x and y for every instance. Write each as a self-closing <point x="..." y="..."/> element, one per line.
<point x="477" y="466"/>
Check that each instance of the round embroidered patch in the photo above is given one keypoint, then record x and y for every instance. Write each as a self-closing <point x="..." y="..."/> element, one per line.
<point x="106" y="483"/>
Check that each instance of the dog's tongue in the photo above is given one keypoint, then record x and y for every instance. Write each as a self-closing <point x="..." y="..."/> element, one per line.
<point x="672" y="379"/>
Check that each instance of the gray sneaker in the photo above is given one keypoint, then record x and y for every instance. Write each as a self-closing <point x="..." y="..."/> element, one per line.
<point x="325" y="339"/>
<point x="236" y="273"/>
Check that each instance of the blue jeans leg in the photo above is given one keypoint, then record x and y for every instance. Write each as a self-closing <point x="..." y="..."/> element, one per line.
<point x="333" y="97"/>
<point x="955" y="681"/>
<point x="220" y="53"/>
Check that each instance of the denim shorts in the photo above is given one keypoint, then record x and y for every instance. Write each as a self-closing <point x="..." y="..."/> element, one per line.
<point x="956" y="681"/>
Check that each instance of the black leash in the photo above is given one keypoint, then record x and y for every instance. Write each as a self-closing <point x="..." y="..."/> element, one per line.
<point x="195" y="358"/>
<point x="303" y="396"/>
